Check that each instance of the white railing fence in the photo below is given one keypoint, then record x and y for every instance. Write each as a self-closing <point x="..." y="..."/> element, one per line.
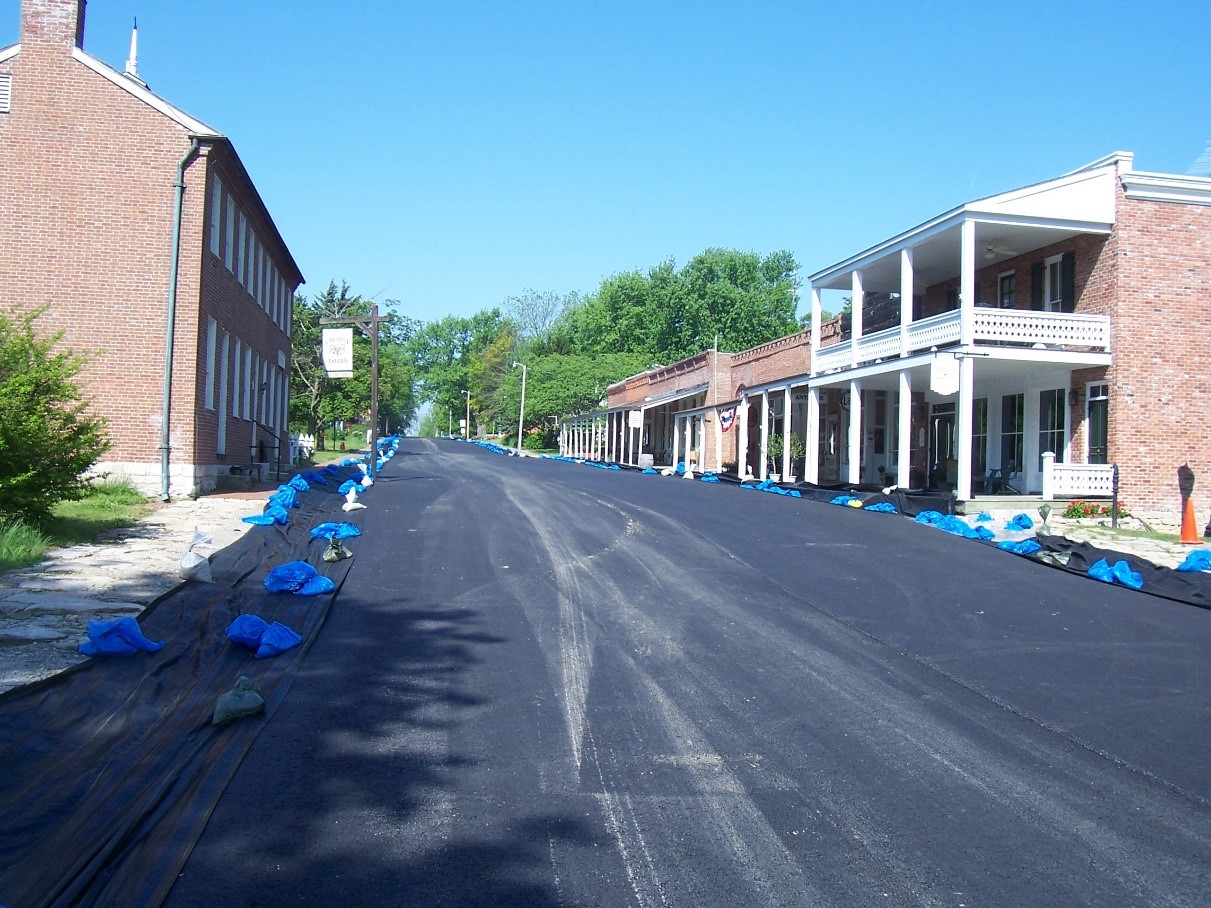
<point x="1076" y="480"/>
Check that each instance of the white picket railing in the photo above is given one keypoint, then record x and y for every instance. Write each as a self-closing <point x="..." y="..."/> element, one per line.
<point x="1076" y="480"/>
<point x="1015" y="326"/>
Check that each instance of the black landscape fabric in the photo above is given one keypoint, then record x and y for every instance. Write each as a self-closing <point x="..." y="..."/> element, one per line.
<point x="111" y="769"/>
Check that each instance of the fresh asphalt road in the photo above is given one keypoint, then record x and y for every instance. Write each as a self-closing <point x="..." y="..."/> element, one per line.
<point x="545" y="684"/>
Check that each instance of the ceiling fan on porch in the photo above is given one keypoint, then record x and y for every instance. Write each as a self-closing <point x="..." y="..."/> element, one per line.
<point x="992" y="250"/>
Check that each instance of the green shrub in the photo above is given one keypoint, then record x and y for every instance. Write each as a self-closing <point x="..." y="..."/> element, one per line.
<point x="47" y="438"/>
<point x="535" y="441"/>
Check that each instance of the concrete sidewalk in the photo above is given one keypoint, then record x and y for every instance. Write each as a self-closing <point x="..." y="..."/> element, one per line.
<point x="45" y="608"/>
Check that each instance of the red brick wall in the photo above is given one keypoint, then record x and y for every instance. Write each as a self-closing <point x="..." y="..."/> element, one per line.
<point x="1160" y="383"/>
<point x="87" y="172"/>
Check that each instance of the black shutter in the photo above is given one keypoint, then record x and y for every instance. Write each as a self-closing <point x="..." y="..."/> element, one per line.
<point x="1068" y="282"/>
<point x="1036" y="285"/>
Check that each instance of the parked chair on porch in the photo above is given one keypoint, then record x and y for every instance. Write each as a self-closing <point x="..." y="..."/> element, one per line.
<point x="999" y="480"/>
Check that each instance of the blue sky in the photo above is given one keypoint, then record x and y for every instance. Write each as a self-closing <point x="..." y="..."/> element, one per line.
<point x="450" y="154"/>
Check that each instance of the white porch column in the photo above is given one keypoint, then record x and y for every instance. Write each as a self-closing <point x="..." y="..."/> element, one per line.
<point x="855" y="433"/>
<point x="786" y="432"/>
<point x="609" y="424"/>
<point x="906" y="285"/>
<point x="811" y="462"/>
<point x="764" y="436"/>
<point x="676" y="439"/>
<point x="855" y="332"/>
<point x="742" y="437"/>
<point x="817" y="313"/>
<point x="718" y="441"/>
<point x="964" y="423"/>
<point x="967" y="284"/>
<point x="904" y="445"/>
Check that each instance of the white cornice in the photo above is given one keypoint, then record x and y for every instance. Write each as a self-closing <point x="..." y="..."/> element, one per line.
<point x="1167" y="187"/>
<point x="195" y="127"/>
<point x="7" y="53"/>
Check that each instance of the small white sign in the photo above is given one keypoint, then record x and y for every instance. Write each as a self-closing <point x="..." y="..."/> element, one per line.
<point x="635" y="419"/>
<point x="338" y="352"/>
<point x="944" y="374"/>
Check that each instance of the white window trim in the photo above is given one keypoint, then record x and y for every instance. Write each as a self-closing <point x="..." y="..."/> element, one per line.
<point x="1053" y="297"/>
<point x="216" y="216"/>
<point x="1089" y="397"/>
<point x="221" y="441"/>
<point x="229" y="252"/>
<point x="212" y="332"/>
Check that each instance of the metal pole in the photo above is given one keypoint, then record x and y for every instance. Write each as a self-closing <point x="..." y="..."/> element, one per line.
<point x="1114" y="499"/>
<point x="521" y="416"/>
<point x="374" y="392"/>
<point x="467" y="427"/>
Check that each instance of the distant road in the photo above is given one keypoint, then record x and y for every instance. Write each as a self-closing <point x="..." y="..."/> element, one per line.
<point x="544" y="684"/>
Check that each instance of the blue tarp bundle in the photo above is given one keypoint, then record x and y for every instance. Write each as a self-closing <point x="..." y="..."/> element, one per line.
<point x="350" y="484"/>
<point x="648" y="471"/>
<point x="1023" y="547"/>
<point x="274" y="513"/>
<point x="298" y="483"/>
<point x="314" y="476"/>
<point x="954" y="525"/>
<point x="335" y="531"/>
<point x="844" y="500"/>
<point x="680" y="468"/>
<point x="883" y="507"/>
<point x="710" y="477"/>
<point x="1119" y="572"/>
<point x="1199" y="560"/>
<point x="1019" y="522"/>
<point x="983" y="517"/>
<point x="267" y="639"/>
<point x="117" y="637"/>
<point x="286" y="496"/>
<point x="298" y="577"/>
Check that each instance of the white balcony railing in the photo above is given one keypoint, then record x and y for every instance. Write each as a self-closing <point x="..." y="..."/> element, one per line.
<point x="1076" y="480"/>
<point x="995" y="326"/>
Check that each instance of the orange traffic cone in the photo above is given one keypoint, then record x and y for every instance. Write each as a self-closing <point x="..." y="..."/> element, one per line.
<point x="1189" y="530"/>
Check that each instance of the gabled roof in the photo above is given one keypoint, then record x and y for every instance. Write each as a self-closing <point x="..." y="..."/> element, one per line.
<point x="194" y="127"/>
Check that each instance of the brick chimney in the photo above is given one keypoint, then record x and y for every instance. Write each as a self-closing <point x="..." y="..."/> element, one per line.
<point x="53" y="22"/>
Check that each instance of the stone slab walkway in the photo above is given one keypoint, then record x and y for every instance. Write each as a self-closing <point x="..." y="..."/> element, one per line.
<point x="45" y="608"/>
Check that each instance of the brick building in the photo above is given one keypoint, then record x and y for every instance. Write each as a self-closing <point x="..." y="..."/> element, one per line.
<point x="139" y="230"/>
<point x="1020" y="343"/>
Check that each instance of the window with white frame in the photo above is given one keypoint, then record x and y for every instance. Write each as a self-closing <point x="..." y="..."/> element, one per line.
<point x="216" y="215"/>
<point x="248" y="389"/>
<point x="237" y="387"/>
<point x="1053" y="419"/>
<point x="212" y="332"/>
<point x="1053" y="283"/>
<point x="241" y="265"/>
<point x="224" y="400"/>
<point x="1006" y="289"/>
<point x="1013" y="423"/>
<point x="229" y="250"/>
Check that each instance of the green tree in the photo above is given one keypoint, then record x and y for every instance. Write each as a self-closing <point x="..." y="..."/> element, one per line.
<point x="48" y="440"/>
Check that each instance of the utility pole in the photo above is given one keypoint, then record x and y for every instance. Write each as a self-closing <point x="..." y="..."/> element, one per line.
<point x="467" y="426"/>
<point x="368" y="325"/>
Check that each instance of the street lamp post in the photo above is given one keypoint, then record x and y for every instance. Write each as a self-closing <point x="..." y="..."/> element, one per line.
<point x="467" y="426"/>
<point x="521" y="415"/>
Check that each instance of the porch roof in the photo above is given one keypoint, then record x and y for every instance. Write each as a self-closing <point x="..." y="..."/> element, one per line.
<point x="672" y="397"/>
<point x="1008" y="224"/>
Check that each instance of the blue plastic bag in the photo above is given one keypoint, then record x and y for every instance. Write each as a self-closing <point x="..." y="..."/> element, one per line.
<point x="710" y="477"/>
<point x="843" y="500"/>
<point x="285" y="496"/>
<point x="648" y="471"/>
<point x="299" y="483"/>
<point x="117" y="637"/>
<point x="348" y="484"/>
<point x="883" y="507"/>
<point x="276" y="640"/>
<point x="1199" y="560"/>
<point x="335" y="531"/>
<point x="983" y="517"/>
<point x="1019" y="522"/>
<point x="1120" y="572"/>
<point x="313" y="477"/>
<point x="247" y="630"/>
<point x="1024" y="547"/>
<point x="291" y="577"/>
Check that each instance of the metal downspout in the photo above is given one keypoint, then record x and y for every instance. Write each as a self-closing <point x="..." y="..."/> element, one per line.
<point x="170" y="329"/>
